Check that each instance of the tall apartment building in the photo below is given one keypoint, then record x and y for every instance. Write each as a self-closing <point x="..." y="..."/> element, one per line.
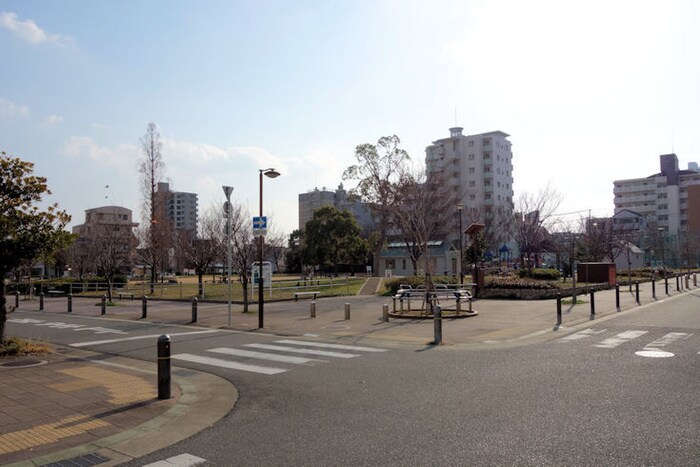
<point x="180" y="208"/>
<point x="315" y="199"/>
<point x="479" y="168"/>
<point x="670" y="200"/>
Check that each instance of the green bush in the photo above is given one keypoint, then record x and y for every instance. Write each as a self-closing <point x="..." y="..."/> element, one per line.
<point x="513" y="283"/>
<point x="540" y="274"/>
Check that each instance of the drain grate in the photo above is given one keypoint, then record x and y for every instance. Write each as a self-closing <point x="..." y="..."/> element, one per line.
<point x="82" y="461"/>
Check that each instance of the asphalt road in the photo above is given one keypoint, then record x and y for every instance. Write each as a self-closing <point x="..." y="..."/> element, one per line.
<point x="622" y="391"/>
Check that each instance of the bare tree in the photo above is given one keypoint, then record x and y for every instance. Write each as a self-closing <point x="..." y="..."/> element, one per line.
<point x="112" y="251"/>
<point x="532" y="221"/>
<point x="200" y="253"/>
<point x="244" y="250"/>
<point x="423" y="202"/>
<point x="276" y="246"/>
<point x="378" y="168"/>
<point x="155" y="234"/>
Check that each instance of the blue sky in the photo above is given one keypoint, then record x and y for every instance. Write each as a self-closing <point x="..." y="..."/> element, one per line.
<point x="589" y="91"/>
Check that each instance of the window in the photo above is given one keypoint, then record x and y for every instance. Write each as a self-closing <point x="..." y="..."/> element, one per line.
<point x="471" y="157"/>
<point x="487" y="196"/>
<point x="472" y="183"/>
<point x="471" y="170"/>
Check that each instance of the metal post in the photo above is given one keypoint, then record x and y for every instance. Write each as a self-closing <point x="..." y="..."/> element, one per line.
<point x="70" y="303"/>
<point x="559" y="309"/>
<point x="103" y="304"/>
<point x="695" y="280"/>
<point x="459" y="305"/>
<point x="385" y="313"/>
<point x="666" y="284"/>
<point x="312" y="309"/>
<point x="16" y="299"/>
<point x="437" y="319"/>
<point x="687" y="281"/>
<point x="41" y="301"/>
<point x="592" y="304"/>
<point x="617" y="297"/>
<point x="144" y="306"/>
<point x="164" y="367"/>
<point x="636" y="292"/>
<point x="347" y="311"/>
<point x="393" y="300"/>
<point x="194" y="309"/>
<point x="678" y="285"/>
<point x="653" y="288"/>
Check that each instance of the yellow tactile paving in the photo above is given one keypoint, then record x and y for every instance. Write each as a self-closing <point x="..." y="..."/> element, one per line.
<point x="48" y="433"/>
<point x="124" y="388"/>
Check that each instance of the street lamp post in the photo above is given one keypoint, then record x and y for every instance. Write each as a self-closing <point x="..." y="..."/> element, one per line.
<point x="461" y="250"/>
<point x="271" y="173"/>
<point x="228" y="211"/>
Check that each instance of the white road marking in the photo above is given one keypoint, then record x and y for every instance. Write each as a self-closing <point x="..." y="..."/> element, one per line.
<point x="61" y="325"/>
<point x="612" y="342"/>
<point x="227" y="364"/>
<point x="668" y="339"/>
<point x="331" y="346"/>
<point x="654" y="354"/>
<point x="264" y="356"/>
<point x="183" y="460"/>
<point x="135" y="338"/>
<point x="320" y="353"/>
<point x="586" y="333"/>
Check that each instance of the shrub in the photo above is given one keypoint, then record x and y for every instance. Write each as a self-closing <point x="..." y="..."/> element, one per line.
<point x="540" y="274"/>
<point x="513" y="283"/>
<point x="416" y="281"/>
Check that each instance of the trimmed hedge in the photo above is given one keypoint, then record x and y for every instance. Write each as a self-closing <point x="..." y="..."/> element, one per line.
<point x="540" y="274"/>
<point x="416" y="281"/>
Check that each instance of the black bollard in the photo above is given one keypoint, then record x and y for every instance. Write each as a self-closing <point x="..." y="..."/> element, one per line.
<point x="592" y="304"/>
<point x="695" y="280"/>
<point x="617" y="297"/>
<point x="103" y="305"/>
<point x="437" y="319"/>
<point x="164" y="367"/>
<point x="194" y="309"/>
<point x="16" y="299"/>
<point x="666" y="284"/>
<point x="559" y="309"/>
<point x="653" y="288"/>
<point x="678" y="285"/>
<point x="41" y="301"/>
<point x="636" y="292"/>
<point x="70" y="303"/>
<point x="385" y="313"/>
<point x="144" y="306"/>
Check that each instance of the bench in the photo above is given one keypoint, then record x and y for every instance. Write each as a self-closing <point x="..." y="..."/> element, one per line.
<point x="314" y="293"/>
<point x="125" y="294"/>
<point x="434" y="296"/>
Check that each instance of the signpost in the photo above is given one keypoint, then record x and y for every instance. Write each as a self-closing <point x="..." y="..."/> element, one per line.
<point x="259" y="226"/>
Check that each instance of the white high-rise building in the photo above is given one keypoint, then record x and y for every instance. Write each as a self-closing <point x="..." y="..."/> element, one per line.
<point x="479" y="167"/>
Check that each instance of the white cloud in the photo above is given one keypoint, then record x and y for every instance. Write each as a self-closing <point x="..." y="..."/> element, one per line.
<point x="52" y="120"/>
<point x="123" y="156"/>
<point x="10" y="110"/>
<point x="29" y="31"/>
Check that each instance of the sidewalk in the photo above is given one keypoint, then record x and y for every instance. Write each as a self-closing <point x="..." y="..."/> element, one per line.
<point x="83" y="408"/>
<point x="95" y="408"/>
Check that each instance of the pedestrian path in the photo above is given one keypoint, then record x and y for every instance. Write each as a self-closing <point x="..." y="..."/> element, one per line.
<point x="655" y="343"/>
<point x="275" y="358"/>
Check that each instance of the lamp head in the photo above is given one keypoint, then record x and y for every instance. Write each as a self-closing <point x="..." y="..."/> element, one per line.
<point x="272" y="173"/>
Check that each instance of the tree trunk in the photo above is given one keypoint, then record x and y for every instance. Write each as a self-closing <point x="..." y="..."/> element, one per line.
<point x="200" y="282"/>
<point x="3" y="312"/>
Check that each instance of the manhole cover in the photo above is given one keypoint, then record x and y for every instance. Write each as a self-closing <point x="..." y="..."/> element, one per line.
<point x="22" y="363"/>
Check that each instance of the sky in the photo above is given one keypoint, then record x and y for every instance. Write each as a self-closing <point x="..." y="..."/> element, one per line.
<point x="590" y="92"/>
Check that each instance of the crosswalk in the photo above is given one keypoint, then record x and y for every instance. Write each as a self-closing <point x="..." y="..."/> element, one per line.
<point x="648" y="343"/>
<point x="277" y="357"/>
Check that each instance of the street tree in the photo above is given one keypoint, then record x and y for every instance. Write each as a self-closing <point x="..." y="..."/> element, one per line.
<point x="333" y="238"/>
<point x="201" y="253"/>
<point x="155" y="232"/>
<point x="378" y="168"/>
<point x="112" y="249"/>
<point x="423" y="205"/>
<point x="243" y="247"/>
<point x="533" y="221"/>
<point x="26" y="231"/>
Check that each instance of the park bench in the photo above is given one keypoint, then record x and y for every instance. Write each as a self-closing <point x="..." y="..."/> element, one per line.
<point x="125" y="294"/>
<point x="297" y="294"/>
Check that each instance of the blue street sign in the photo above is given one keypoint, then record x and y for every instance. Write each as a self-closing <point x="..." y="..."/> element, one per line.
<point x="260" y="223"/>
